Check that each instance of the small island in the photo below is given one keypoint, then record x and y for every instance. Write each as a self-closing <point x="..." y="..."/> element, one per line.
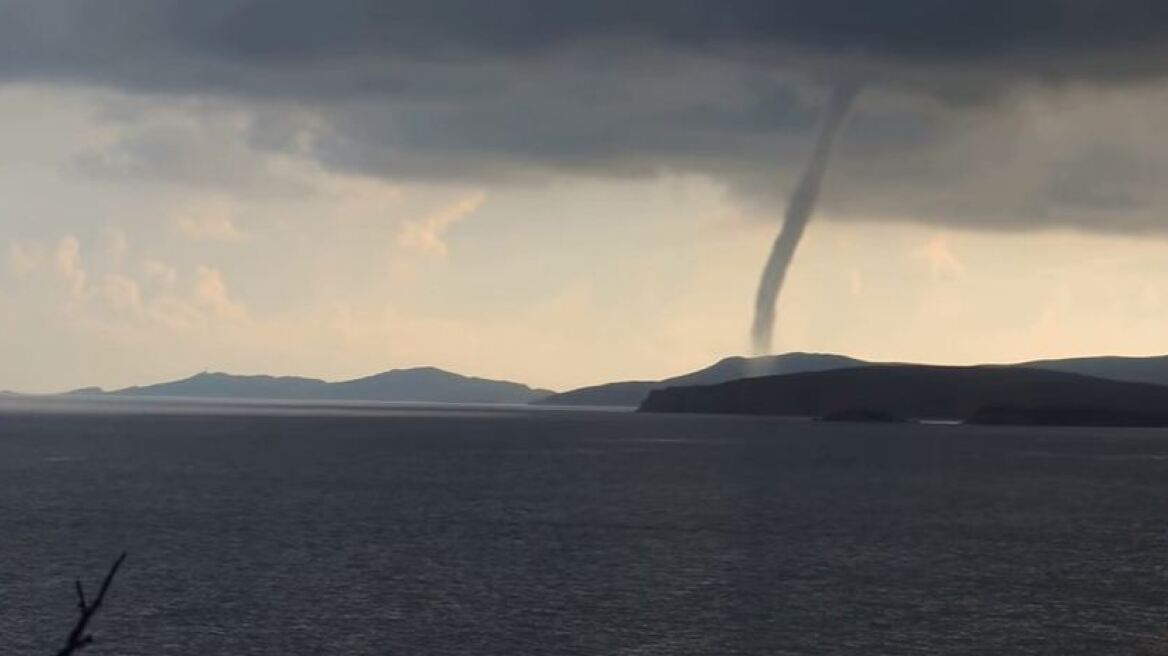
<point x="863" y="415"/>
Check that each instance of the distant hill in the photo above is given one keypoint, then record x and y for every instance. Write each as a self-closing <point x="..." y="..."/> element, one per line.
<point x="221" y="385"/>
<point x="928" y="392"/>
<point x="424" y="384"/>
<point x="86" y="391"/>
<point x="1153" y="369"/>
<point x="431" y="384"/>
<point x="632" y="393"/>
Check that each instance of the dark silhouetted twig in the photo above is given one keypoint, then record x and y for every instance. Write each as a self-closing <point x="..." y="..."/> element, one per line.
<point x="78" y="638"/>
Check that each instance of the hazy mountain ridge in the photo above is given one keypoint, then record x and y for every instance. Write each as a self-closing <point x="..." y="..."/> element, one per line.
<point x="437" y="384"/>
<point x="218" y="384"/>
<point x="1139" y="369"/>
<point x="422" y="384"/>
<point x="632" y="393"/>
<point x="432" y="384"/>
<point x="987" y="393"/>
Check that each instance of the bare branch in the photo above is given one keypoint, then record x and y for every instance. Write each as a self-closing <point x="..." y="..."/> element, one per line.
<point x="78" y="639"/>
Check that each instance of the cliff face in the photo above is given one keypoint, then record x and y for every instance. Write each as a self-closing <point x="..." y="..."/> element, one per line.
<point x="913" y="391"/>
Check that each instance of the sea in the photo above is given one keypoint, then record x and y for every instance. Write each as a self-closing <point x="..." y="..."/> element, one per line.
<point x="301" y="529"/>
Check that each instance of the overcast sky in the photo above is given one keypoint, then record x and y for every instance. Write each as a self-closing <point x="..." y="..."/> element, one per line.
<point x="570" y="193"/>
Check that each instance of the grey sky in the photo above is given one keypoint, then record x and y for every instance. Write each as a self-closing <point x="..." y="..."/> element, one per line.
<point x="518" y="91"/>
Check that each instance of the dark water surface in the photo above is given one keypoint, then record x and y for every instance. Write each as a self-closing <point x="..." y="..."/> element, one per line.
<point x="513" y="532"/>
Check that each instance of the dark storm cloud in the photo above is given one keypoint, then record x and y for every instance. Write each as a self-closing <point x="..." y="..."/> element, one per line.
<point x="926" y="29"/>
<point x="509" y="90"/>
<point x="144" y="41"/>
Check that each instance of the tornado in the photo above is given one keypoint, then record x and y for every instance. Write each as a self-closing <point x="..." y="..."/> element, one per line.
<point x="800" y="207"/>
